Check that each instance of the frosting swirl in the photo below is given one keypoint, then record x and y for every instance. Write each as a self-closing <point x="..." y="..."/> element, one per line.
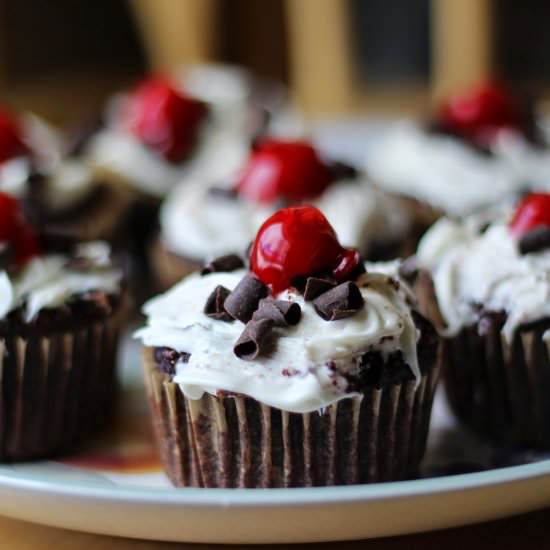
<point x="300" y="374"/>
<point x="49" y="281"/>
<point x="441" y="171"/>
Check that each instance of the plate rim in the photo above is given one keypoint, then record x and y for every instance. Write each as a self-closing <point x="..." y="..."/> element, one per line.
<point x="275" y="497"/>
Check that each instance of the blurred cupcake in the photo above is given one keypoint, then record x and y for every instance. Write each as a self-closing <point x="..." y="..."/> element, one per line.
<point x="302" y="371"/>
<point x="491" y="287"/>
<point x="465" y="160"/>
<point x="62" y="197"/>
<point x="205" y="218"/>
<point x="59" y="322"/>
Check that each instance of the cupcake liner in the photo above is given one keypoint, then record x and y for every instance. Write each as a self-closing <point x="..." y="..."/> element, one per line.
<point x="236" y="441"/>
<point x="498" y="388"/>
<point x="169" y="268"/>
<point x="55" y="389"/>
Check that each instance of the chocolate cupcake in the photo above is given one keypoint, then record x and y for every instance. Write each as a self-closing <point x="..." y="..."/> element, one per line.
<point x="206" y="218"/>
<point x="60" y="316"/>
<point x="479" y="149"/>
<point x="490" y="288"/>
<point x="62" y="197"/>
<point x="303" y="371"/>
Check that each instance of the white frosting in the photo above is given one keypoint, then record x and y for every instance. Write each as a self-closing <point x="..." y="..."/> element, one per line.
<point x="67" y="182"/>
<point x="47" y="281"/>
<point x="440" y="170"/>
<point x="199" y="225"/>
<point x="470" y="269"/>
<point x="176" y="320"/>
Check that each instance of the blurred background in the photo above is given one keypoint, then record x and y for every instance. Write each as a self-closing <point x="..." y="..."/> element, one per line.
<point x="62" y="58"/>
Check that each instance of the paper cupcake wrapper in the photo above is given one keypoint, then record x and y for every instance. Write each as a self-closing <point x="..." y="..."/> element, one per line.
<point x="498" y="388"/>
<point x="56" y="389"/>
<point x="239" y="442"/>
<point x="168" y="268"/>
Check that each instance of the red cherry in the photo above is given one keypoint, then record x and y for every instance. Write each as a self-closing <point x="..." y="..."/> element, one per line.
<point x="163" y="118"/>
<point x="533" y="210"/>
<point x="298" y="241"/>
<point x="482" y="113"/>
<point x="15" y="230"/>
<point x="279" y="169"/>
<point x="11" y="144"/>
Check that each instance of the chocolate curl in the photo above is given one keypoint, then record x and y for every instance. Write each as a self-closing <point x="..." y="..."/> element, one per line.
<point x="214" y="304"/>
<point x="315" y="286"/>
<point x="283" y="313"/>
<point x="342" y="301"/>
<point x="227" y="263"/>
<point x="253" y="340"/>
<point x="535" y="240"/>
<point x="243" y="301"/>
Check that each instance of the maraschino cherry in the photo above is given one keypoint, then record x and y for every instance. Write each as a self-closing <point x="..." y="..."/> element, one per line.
<point x="11" y="144"/>
<point x="533" y="211"/>
<point x="15" y="230"/>
<point x="282" y="169"/>
<point x="482" y="113"/>
<point x="296" y="241"/>
<point x="164" y="118"/>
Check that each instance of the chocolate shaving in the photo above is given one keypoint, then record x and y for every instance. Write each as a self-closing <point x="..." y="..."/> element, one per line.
<point x="223" y="192"/>
<point x="6" y="255"/>
<point x="243" y="301"/>
<point x="253" y="340"/>
<point x="214" y="304"/>
<point x="283" y="313"/>
<point x="315" y="286"/>
<point x="342" y="301"/>
<point x="535" y="240"/>
<point x="230" y="262"/>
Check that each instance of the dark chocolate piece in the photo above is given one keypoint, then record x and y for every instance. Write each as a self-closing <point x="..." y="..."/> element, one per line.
<point x="223" y="192"/>
<point x="343" y="171"/>
<point x="166" y="359"/>
<point x="253" y="339"/>
<point x="243" y="301"/>
<point x="227" y="263"/>
<point x="6" y="255"/>
<point x="342" y="301"/>
<point x="315" y="286"/>
<point x="214" y="304"/>
<point x="282" y="312"/>
<point x="535" y="240"/>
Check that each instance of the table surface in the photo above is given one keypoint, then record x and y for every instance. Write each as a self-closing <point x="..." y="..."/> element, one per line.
<point x="526" y="532"/>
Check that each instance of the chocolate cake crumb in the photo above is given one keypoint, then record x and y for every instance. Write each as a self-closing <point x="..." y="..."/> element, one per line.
<point x="214" y="304"/>
<point x="342" y="301"/>
<point x="243" y="301"/>
<point x="166" y="359"/>
<point x="227" y="263"/>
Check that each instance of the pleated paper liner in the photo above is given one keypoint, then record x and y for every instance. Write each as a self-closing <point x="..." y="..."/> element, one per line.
<point x="235" y="441"/>
<point x="169" y="268"/>
<point x="57" y="388"/>
<point x="498" y="388"/>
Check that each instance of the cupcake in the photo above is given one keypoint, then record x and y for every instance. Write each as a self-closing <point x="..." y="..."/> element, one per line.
<point x="463" y="160"/>
<point x="205" y="218"/>
<point x="62" y="197"/>
<point x="302" y="370"/>
<point x="59" y="322"/>
<point x="491" y="292"/>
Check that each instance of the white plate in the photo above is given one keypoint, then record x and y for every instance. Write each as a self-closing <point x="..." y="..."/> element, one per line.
<point x="115" y="487"/>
